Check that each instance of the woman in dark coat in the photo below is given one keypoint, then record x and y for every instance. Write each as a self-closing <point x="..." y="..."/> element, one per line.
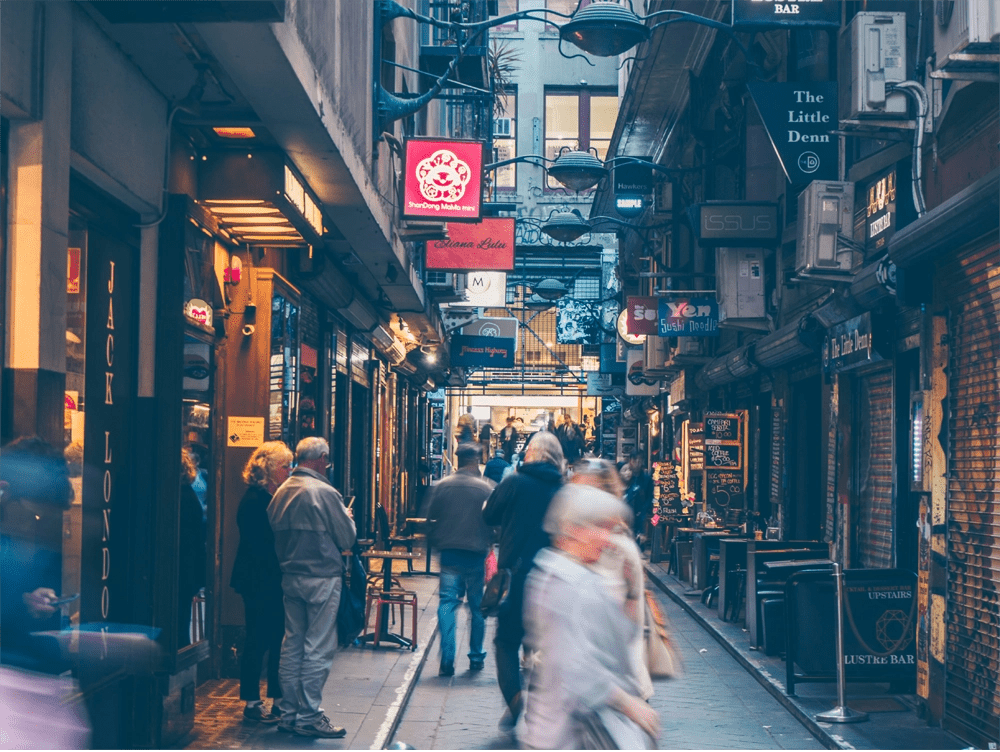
<point x="257" y="577"/>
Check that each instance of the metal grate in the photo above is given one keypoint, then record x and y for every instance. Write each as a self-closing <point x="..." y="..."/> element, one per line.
<point x="875" y="470"/>
<point x="972" y="695"/>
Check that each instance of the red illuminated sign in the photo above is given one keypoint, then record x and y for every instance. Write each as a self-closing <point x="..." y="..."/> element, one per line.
<point x="486" y="245"/>
<point x="643" y="315"/>
<point x="444" y="180"/>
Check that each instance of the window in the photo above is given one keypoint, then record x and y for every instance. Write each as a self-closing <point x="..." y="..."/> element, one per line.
<point x="578" y="119"/>
<point x="505" y="8"/>
<point x="505" y="141"/>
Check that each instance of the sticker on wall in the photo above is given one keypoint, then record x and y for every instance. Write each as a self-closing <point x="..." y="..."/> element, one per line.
<point x="198" y="310"/>
<point x="244" y="431"/>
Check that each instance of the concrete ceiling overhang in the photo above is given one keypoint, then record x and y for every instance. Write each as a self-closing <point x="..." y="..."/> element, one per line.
<point x="273" y="71"/>
<point x="659" y="87"/>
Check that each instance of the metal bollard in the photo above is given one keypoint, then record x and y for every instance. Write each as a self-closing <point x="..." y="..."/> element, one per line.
<point x="841" y="713"/>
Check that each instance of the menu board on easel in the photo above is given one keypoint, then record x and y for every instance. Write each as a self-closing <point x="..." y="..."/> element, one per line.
<point x="725" y="461"/>
<point x="666" y="488"/>
<point x="692" y="455"/>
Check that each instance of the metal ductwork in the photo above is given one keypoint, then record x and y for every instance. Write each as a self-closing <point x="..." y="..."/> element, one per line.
<point x="716" y="373"/>
<point x="782" y="346"/>
<point x="740" y="362"/>
<point x="725" y="369"/>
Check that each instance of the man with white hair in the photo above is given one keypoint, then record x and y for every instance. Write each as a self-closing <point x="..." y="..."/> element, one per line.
<point x="311" y="527"/>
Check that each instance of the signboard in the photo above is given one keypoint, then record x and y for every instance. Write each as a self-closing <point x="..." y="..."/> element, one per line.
<point x="695" y="442"/>
<point x="605" y="384"/>
<point x="198" y="310"/>
<point x="610" y="362"/>
<point x="686" y="316"/>
<point x="632" y="182"/>
<point x="849" y="345"/>
<point x="725" y="489"/>
<point x="244" y="431"/>
<point x="637" y="384"/>
<point x="577" y="322"/>
<point x="736" y="223"/>
<point x="443" y="180"/>
<point x="880" y="212"/>
<point x="723" y="455"/>
<point x="486" y="289"/>
<point x="722" y="428"/>
<point x="763" y="13"/>
<point x="482" y="352"/>
<point x="800" y="119"/>
<point x="486" y="245"/>
<point x="505" y="327"/>
<point x="642" y="315"/>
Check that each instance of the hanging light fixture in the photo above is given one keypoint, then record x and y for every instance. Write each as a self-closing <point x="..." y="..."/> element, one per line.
<point x="604" y="28"/>
<point x="549" y="289"/>
<point x="566" y="226"/>
<point x="578" y="170"/>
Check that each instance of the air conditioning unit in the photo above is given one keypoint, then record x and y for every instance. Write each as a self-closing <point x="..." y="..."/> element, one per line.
<point x="966" y="35"/>
<point x="825" y="229"/>
<point x="872" y="56"/>
<point x="656" y="355"/>
<point x="739" y="278"/>
<point x="504" y="127"/>
<point x="689" y="347"/>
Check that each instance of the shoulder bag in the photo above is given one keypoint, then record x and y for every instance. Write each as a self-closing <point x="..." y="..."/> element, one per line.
<point x="662" y="658"/>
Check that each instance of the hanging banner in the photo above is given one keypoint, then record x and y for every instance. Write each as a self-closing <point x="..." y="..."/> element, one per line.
<point x="800" y="119"/>
<point x="643" y="315"/>
<point x="443" y="180"/>
<point x="504" y="327"/>
<point x="762" y="13"/>
<point x="685" y="316"/>
<point x="482" y="352"/>
<point x="486" y="245"/>
<point x="577" y="322"/>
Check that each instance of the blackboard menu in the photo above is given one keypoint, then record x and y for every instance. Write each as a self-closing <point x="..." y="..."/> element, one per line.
<point x="666" y="488"/>
<point x="724" y="455"/>
<point x="725" y="490"/>
<point x="696" y="447"/>
<point x="722" y="428"/>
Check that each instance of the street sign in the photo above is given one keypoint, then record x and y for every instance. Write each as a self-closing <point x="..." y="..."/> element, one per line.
<point x="486" y="245"/>
<point x="443" y="180"/>
<point x="482" y="352"/>
<point x="736" y="223"/>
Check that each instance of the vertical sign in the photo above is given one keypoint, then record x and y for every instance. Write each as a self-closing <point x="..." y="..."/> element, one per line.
<point x="109" y="404"/>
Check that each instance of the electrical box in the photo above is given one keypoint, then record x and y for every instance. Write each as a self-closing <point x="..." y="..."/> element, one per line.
<point x="966" y="35"/>
<point x="739" y="277"/>
<point x="872" y="56"/>
<point x="826" y="210"/>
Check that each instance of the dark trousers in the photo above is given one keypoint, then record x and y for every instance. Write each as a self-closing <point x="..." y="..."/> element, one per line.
<point x="265" y="624"/>
<point x="507" y="643"/>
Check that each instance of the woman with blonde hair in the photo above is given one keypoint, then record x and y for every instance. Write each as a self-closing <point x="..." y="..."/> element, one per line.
<point x="257" y="577"/>
<point x="582" y="693"/>
<point x="620" y="564"/>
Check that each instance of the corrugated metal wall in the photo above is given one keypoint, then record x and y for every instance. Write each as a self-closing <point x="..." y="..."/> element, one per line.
<point x="972" y="696"/>
<point x="875" y="469"/>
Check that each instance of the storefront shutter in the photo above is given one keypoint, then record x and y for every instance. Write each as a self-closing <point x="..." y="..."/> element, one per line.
<point x="875" y="472"/>
<point x="972" y="698"/>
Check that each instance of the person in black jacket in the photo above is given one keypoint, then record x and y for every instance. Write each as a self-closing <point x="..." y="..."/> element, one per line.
<point x="257" y="577"/>
<point x="518" y="506"/>
<point x="193" y="549"/>
<point x="508" y="438"/>
<point x="496" y="467"/>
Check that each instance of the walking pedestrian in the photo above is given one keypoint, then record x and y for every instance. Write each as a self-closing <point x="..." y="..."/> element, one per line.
<point x="466" y="427"/>
<point x="311" y="528"/>
<point x="582" y="686"/>
<point x="458" y="531"/>
<point x="496" y="467"/>
<point x="257" y="578"/>
<point x="638" y="491"/>
<point x="518" y="506"/>
<point x="485" y="437"/>
<point x="571" y="440"/>
<point x="621" y="566"/>
<point x="508" y="438"/>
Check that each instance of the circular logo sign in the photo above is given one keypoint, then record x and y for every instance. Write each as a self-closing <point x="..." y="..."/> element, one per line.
<point x="489" y="330"/>
<point x="809" y="161"/>
<point x="632" y="339"/>
<point x="443" y="177"/>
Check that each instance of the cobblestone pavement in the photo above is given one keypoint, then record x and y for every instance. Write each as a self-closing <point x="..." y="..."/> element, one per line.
<point x="716" y="704"/>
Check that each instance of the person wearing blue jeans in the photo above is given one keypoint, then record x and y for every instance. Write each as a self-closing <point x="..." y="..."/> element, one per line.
<point x="461" y="575"/>
<point x="457" y="530"/>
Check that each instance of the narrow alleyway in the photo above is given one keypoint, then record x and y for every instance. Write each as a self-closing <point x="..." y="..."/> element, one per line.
<point x="715" y="705"/>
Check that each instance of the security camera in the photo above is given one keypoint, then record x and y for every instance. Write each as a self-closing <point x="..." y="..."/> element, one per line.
<point x="248" y="330"/>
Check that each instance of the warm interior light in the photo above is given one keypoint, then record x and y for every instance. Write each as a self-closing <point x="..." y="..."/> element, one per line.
<point x="234" y="132"/>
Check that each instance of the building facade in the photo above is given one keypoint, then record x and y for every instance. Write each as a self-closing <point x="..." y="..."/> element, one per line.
<point x="867" y="382"/>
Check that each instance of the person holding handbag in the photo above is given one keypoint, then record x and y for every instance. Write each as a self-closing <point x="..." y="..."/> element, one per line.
<point x="582" y="693"/>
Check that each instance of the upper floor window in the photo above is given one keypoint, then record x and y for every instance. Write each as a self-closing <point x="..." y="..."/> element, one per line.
<point x="505" y="141"/>
<point x="578" y="119"/>
<point x="505" y="8"/>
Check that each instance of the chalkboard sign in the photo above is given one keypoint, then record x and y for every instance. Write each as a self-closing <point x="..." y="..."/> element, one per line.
<point x="724" y="456"/>
<point x="777" y="451"/>
<point x="696" y="447"/>
<point x="722" y="428"/>
<point x="725" y="489"/>
<point x="666" y="486"/>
